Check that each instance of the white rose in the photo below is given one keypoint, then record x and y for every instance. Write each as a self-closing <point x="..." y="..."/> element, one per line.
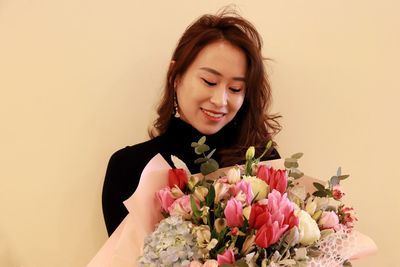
<point x="309" y="231"/>
<point x="258" y="186"/>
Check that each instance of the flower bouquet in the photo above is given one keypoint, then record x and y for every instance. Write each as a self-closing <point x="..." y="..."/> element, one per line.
<point x="251" y="215"/>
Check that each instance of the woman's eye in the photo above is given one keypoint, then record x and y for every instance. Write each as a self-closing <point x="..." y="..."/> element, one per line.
<point x="208" y="83"/>
<point x="235" y="90"/>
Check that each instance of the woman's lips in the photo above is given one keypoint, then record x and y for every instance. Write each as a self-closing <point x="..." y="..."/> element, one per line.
<point x="213" y="115"/>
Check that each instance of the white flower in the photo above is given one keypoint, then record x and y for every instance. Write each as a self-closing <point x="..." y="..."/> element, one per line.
<point x="233" y="175"/>
<point x="258" y="186"/>
<point x="309" y="231"/>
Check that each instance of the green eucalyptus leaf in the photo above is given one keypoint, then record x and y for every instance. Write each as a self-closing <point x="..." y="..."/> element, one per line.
<point x="194" y="144"/>
<point x="200" y="160"/>
<point x="202" y="140"/>
<point x="319" y="186"/>
<point x="209" y="166"/>
<point x="297" y="155"/>
<point x="201" y="149"/>
<point x="296" y="174"/>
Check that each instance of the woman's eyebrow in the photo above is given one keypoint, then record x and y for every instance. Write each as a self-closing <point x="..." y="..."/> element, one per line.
<point x="219" y="74"/>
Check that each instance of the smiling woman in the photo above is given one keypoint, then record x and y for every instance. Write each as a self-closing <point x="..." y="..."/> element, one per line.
<point x="216" y="86"/>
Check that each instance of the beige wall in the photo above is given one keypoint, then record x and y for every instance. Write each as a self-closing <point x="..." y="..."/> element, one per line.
<point x="79" y="80"/>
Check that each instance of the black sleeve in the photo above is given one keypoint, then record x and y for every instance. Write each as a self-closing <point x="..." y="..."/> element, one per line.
<point x="119" y="184"/>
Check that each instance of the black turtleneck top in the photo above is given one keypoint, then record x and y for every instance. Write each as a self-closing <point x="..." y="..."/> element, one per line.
<point x="126" y="165"/>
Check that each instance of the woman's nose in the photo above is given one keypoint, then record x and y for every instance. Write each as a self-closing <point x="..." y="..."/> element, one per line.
<point x="219" y="97"/>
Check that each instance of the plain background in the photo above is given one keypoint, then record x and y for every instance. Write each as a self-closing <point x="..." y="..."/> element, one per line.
<point x="80" y="79"/>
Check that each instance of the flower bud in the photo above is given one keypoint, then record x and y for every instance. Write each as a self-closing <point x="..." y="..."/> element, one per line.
<point x="311" y="207"/>
<point x="220" y="224"/>
<point x="200" y="193"/>
<point x="233" y="175"/>
<point x="250" y="153"/>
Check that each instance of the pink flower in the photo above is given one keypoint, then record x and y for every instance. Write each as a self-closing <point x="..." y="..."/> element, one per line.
<point x="226" y="258"/>
<point x="234" y="213"/>
<point x="337" y="192"/>
<point x="276" y="179"/>
<point x="166" y="198"/>
<point x="245" y="188"/>
<point x="259" y="216"/>
<point x="181" y="207"/>
<point x="208" y="263"/>
<point x="328" y="220"/>
<point x="282" y="209"/>
<point x="346" y="216"/>
<point x="269" y="234"/>
<point x="177" y="177"/>
<point x="273" y="219"/>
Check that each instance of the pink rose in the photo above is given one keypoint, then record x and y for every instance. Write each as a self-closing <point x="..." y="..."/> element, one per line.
<point x="245" y="188"/>
<point x="226" y="258"/>
<point x="276" y="179"/>
<point x="177" y="177"/>
<point x="166" y="198"/>
<point x="328" y="220"/>
<point x="181" y="207"/>
<point x="234" y="213"/>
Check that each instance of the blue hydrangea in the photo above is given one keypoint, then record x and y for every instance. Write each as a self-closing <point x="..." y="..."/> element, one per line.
<point x="171" y="244"/>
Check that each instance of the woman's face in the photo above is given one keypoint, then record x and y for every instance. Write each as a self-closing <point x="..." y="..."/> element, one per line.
<point x="212" y="90"/>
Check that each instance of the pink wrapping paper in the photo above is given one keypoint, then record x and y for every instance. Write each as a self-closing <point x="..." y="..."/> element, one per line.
<point x="125" y="245"/>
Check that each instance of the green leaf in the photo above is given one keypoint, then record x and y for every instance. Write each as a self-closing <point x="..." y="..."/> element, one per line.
<point x="297" y="155"/>
<point x="201" y="149"/>
<point x="210" y="196"/>
<point x="202" y="140"/>
<point x="194" y="144"/>
<point x="319" y="194"/>
<point x="200" y="160"/>
<point x="319" y="186"/>
<point x="339" y="171"/>
<point x="196" y="211"/>
<point x="209" y="166"/>
<point x="342" y="177"/>
<point x="211" y="153"/>
<point x="296" y="174"/>
<point x="334" y="180"/>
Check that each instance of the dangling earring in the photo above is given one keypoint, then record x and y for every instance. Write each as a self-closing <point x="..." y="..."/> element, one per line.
<point x="176" y="112"/>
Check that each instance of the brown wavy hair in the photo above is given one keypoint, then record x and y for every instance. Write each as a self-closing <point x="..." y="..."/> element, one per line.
<point x="256" y="125"/>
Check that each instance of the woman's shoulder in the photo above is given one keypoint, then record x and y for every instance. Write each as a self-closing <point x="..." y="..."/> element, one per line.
<point x="134" y="155"/>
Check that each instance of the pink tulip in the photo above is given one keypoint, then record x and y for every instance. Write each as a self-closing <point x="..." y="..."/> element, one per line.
<point x="234" y="213"/>
<point x="245" y="188"/>
<point x="281" y="209"/>
<point x="329" y="220"/>
<point x="273" y="219"/>
<point x="226" y="258"/>
<point x="166" y="198"/>
<point x="269" y="234"/>
<point x="276" y="179"/>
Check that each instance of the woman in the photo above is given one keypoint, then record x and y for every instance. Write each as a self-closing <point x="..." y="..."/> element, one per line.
<point x="216" y="86"/>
